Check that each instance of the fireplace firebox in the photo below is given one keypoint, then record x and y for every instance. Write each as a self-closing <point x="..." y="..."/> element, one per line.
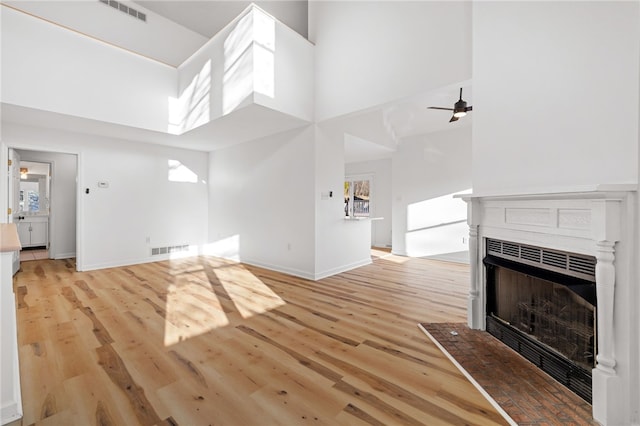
<point x="542" y="303"/>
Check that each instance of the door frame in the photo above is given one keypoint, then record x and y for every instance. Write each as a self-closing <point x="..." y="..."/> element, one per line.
<point x="4" y="182"/>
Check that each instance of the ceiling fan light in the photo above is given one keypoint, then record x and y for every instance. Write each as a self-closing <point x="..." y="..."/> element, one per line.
<point x="460" y="108"/>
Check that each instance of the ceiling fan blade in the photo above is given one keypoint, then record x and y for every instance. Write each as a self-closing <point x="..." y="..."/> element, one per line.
<point x="453" y="118"/>
<point x="446" y="109"/>
<point x="469" y="108"/>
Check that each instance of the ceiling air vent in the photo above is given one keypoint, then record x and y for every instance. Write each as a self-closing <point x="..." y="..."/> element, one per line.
<point x="125" y="9"/>
<point x="573" y="264"/>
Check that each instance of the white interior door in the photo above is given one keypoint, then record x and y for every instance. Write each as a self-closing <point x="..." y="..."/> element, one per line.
<point x="14" y="197"/>
<point x="14" y="184"/>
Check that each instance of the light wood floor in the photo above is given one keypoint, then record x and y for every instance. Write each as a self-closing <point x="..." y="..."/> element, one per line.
<point x="203" y="341"/>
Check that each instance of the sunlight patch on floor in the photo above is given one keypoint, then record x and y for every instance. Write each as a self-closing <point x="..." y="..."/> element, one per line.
<point x="227" y="289"/>
<point x="250" y="298"/>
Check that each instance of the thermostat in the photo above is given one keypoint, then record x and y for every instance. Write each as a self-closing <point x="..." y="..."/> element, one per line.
<point x="103" y="184"/>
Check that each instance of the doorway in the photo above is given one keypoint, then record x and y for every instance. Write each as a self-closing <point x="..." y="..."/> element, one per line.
<point x="46" y="206"/>
<point x="32" y="212"/>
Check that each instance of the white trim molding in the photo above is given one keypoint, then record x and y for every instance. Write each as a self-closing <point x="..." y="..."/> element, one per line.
<point x="598" y="222"/>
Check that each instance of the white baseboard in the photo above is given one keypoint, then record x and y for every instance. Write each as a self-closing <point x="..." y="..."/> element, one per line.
<point x="304" y="274"/>
<point x="285" y="270"/>
<point x="278" y="268"/>
<point x="64" y="255"/>
<point x="456" y="257"/>
<point x="343" y="268"/>
<point x="10" y="411"/>
<point x="150" y="259"/>
<point x="119" y="264"/>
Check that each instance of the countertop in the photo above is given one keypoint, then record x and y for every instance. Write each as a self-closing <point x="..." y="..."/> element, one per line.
<point x="9" y="240"/>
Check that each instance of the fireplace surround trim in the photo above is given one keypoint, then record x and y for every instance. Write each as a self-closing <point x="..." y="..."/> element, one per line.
<point x="596" y="222"/>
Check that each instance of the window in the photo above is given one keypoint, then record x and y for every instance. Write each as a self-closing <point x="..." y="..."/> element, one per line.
<point x="357" y="194"/>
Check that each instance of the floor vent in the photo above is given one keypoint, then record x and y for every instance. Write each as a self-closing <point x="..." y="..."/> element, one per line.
<point x="170" y="249"/>
<point x="125" y="9"/>
<point x="573" y="264"/>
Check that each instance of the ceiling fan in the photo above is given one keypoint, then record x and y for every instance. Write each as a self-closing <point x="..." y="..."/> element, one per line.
<point x="459" y="109"/>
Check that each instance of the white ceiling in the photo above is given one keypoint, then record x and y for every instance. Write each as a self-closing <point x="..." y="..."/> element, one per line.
<point x="208" y="17"/>
<point x="226" y="131"/>
<point x="34" y="168"/>
<point x="182" y="28"/>
<point x="382" y="128"/>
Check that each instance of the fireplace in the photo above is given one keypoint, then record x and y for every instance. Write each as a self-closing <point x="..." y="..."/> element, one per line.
<point x="541" y="303"/>
<point x="554" y="276"/>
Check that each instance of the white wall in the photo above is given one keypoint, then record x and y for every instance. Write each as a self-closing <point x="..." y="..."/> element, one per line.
<point x="51" y="68"/>
<point x="380" y="197"/>
<point x="62" y="217"/>
<point x="255" y="59"/>
<point x="426" y="171"/>
<point x="269" y="205"/>
<point x="140" y="202"/>
<point x="369" y="53"/>
<point x="561" y="112"/>
<point x="555" y="88"/>
<point x="261" y="202"/>
<point x="172" y="43"/>
<point x="294" y="75"/>
<point x="635" y="291"/>
<point x="47" y="67"/>
<point x="340" y="244"/>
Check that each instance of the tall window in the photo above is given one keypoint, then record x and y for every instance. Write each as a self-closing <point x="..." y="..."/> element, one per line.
<point x="357" y="193"/>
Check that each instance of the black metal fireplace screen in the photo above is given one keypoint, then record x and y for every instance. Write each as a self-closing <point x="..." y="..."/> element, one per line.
<point x="544" y="312"/>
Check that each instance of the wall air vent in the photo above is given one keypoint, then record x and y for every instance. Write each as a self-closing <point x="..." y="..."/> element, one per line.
<point x="155" y="251"/>
<point x="573" y="264"/>
<point x="125" y="9"/>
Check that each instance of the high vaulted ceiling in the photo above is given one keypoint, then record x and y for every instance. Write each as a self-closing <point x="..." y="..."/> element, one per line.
<point x="207" y="18"/>
<point x="187" y="25"/>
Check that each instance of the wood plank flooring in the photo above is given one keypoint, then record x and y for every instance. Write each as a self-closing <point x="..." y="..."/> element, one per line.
<point x="205" y="341"/>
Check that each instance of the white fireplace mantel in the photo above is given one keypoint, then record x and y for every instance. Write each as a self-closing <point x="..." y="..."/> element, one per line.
<point x="595" y="221"/>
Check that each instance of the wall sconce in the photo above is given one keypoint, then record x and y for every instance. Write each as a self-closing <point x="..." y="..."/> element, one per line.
<point x="23" y="172"/>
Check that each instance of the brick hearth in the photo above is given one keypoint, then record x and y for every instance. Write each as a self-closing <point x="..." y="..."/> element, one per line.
<point x="527" y="394"/>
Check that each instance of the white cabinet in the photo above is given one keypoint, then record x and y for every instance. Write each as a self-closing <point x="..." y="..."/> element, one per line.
<point x="24" y="233"/>
<point x="33" y="231"/>
<point x="39" y="234"/>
